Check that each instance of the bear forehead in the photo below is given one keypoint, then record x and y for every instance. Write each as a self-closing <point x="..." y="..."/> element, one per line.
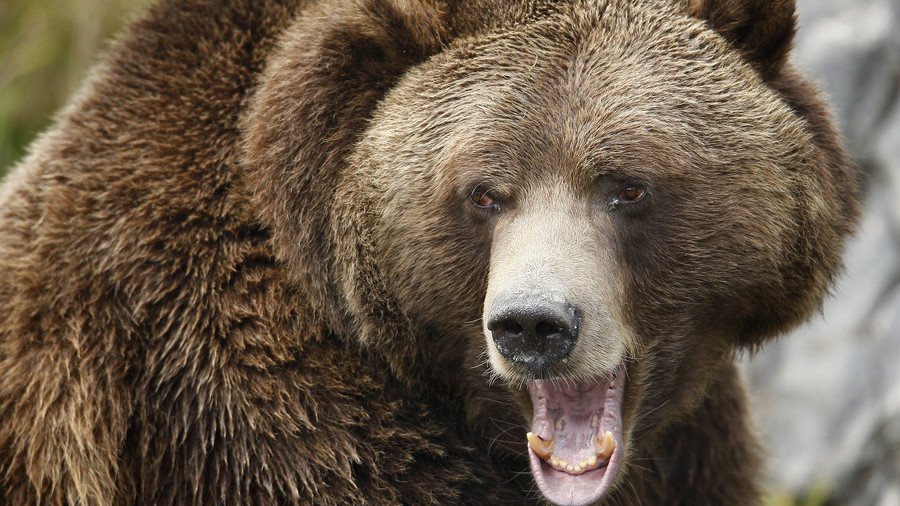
<point x="636" y="83"/>
<point x="641" y="42"/>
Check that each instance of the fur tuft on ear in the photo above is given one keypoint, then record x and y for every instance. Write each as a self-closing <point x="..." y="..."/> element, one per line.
<point x="329" y="73"/>
<point x="763" y="30"/>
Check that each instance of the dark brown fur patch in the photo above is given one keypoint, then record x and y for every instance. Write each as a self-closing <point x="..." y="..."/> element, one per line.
<point x="761" y="29"/>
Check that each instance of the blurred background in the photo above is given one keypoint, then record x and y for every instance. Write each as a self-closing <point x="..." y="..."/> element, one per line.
<point x="826" y="399"/>
<point x="46" y="48"/>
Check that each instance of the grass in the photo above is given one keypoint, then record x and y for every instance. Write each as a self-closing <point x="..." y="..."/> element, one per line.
<point x="46" y="49"/>
<point x="818" y="496"/>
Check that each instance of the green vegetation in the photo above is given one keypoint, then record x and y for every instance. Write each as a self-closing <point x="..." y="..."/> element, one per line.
<point x="46" y="48"/>
<point x="816" y="497"/>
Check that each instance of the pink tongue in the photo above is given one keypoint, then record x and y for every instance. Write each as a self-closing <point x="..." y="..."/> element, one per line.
<point x="573" y="416"/>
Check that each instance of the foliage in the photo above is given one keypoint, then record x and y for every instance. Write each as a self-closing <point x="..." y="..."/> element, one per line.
<point x="816" y="497"/>
<point x="46" y="49"/>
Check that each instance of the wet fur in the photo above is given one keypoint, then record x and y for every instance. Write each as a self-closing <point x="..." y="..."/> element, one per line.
<point x="203" y="303"/>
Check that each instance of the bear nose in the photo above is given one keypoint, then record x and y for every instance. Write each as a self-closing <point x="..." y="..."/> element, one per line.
<point x="533" y="330"/>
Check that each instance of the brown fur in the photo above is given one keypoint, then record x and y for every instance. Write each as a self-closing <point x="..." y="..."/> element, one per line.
<point x="240" y="268"/>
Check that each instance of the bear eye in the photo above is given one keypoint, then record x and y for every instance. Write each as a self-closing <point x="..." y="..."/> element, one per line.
<point x="630" y="194"/>
<point x="483" y="199"/>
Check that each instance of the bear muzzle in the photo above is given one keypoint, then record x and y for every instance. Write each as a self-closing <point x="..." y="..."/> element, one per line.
<point x="534" y="330"/>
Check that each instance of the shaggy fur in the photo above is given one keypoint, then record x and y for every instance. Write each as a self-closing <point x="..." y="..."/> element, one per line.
<point x="241" y="269"/>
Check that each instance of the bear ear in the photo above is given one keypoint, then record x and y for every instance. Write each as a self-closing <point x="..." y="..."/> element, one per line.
<point x="763" y="30"/>
<point x="322" y="83"/>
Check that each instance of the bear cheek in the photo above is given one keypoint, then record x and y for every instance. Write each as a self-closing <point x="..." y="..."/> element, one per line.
<point x="435" y="266"/>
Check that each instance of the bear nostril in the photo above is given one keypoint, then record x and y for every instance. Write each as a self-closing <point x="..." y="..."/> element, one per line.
<point x="509" y="327"/>
<point x="545" y="329"/>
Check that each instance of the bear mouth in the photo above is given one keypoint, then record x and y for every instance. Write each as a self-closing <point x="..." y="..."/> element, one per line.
<point x="576" y="445"/>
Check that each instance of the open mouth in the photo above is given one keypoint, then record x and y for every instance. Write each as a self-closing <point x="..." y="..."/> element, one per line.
<point x="576" y="444"/>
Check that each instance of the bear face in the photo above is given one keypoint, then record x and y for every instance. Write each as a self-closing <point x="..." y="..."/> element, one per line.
<point x="590" y="205"/>
<point x="644" y="192"/>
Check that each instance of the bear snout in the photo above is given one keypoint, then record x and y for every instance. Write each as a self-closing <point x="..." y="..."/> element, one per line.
<point x="533" y="330"/>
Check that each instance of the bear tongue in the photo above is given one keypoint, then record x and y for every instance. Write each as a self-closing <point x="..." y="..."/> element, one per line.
<point x="576" y="443"/>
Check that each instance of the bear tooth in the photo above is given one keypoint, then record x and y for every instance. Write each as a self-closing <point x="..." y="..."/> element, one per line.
<point x="578" y="468"/>
<point x="541" y="448"/>
<point x="605" y="446"/>
<point x="592" y="461"/>
<point x="554" y="462"/>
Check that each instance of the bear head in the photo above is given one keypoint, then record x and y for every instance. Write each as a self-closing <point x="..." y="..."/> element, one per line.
<point x="577" y="210"/>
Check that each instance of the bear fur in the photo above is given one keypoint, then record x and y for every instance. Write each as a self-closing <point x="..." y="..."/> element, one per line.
<point x="239" y="269"/>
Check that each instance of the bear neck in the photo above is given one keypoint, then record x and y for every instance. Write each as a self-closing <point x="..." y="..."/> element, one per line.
<point x="712" y="453"/>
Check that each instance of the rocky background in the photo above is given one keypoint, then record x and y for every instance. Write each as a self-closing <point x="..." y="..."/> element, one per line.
<point x="827" y="398"/>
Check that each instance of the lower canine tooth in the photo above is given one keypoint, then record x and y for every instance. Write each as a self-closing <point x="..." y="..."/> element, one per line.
<point x="605" y="446"/>
<point x="541" y="448"/>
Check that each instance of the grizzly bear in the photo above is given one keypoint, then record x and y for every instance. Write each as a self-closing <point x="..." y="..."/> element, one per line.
<point x="414" y="252"/>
